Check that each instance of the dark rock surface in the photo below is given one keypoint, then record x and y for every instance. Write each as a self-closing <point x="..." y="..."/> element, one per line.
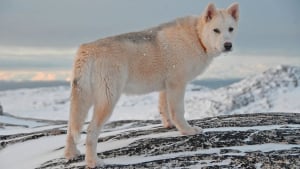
<point x="1" y="110"/>
<point x="264" y="140"/>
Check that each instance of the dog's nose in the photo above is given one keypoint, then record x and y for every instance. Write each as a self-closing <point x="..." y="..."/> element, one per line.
<point x="227" y="46"/>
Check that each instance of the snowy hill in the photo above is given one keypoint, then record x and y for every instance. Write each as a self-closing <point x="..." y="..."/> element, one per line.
<point x="277" y="89"/>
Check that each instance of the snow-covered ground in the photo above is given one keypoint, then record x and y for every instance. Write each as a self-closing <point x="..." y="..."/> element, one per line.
<point x="275" y="90"/>
<point x="247" y="140"/>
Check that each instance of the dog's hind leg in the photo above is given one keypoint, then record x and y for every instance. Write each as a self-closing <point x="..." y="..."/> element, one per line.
<point x="104" y="105"/>
<point x="81" y="100"/>
<point x="79" y="107"/>
<point x="163" y="110"/>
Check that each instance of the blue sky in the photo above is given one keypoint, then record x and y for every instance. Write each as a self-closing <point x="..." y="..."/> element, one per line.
<point x="42" y="36"/>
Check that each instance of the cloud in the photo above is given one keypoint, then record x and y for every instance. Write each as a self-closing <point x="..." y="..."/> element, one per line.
<point x="42" y="76"/>
<point x="6" y="76"/>
<point x="35" y="51"/>
<point x="239" y="66"/>
<point x="89" y="20"/>
<point x="24" y="58"/>
<point x="230" y="66"/>
<point x="35" y="75"/>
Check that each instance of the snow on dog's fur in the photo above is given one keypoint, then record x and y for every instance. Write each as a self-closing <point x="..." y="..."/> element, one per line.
<point x="163" y="58"/>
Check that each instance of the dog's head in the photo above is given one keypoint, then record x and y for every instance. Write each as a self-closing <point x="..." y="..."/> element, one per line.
<point x="217" y="28"/>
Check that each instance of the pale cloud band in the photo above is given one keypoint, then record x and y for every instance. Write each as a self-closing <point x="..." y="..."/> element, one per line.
<point x="35" y="75"/>
<point x="35" y="51"/>
<point x="224" y="67"/>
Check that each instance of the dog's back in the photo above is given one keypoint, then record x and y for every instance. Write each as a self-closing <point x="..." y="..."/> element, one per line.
<point x="145" y="59"/>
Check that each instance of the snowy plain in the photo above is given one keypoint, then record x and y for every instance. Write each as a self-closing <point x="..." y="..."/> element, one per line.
<point x="53" y="104"/>
<point x="271" y="91"/>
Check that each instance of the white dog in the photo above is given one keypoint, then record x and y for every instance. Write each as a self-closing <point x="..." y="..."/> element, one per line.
<point x="163" y="58"/>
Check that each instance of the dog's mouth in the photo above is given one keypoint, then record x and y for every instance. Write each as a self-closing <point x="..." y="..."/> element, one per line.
<point x="227" y="50"/>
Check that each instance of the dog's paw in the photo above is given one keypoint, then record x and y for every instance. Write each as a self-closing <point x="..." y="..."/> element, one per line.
<point x="167" y="124"/>
<point x="191" y="131"/>
<point x="93" y="163"/>
<point x="71" y="153"/>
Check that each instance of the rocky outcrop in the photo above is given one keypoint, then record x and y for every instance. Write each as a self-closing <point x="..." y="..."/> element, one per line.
<point x="264" y="140"/>
<point x="1" y="110"/>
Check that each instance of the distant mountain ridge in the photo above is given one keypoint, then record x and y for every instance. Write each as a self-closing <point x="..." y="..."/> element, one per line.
<point x="253" y="94"/>
<point x="12" y="85"/>
<point x="264" y="87"/>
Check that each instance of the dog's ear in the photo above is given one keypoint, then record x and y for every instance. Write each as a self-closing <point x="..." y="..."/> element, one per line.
<point x="233" y="10"/>
<point x="210" y="12"/>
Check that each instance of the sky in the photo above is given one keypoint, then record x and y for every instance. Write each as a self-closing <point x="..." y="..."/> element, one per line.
<point x="38" y="39"/>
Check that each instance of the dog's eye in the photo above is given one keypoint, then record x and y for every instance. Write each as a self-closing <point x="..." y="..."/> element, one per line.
<point x="216" y="30"/>
<point x="230" y="29"/>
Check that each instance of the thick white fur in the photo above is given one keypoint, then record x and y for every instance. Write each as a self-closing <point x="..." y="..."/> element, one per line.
<point x="163" y="58"/>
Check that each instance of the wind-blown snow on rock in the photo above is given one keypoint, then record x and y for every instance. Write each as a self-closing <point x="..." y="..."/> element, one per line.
<point x="270" y="140"/>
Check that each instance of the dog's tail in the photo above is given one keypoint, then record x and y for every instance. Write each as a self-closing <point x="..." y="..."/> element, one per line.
<point x="81" y="93"/>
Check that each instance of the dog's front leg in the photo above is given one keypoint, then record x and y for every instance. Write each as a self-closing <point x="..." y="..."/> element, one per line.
<point x="175" y="97"/>
<point x="163" y="109"/>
